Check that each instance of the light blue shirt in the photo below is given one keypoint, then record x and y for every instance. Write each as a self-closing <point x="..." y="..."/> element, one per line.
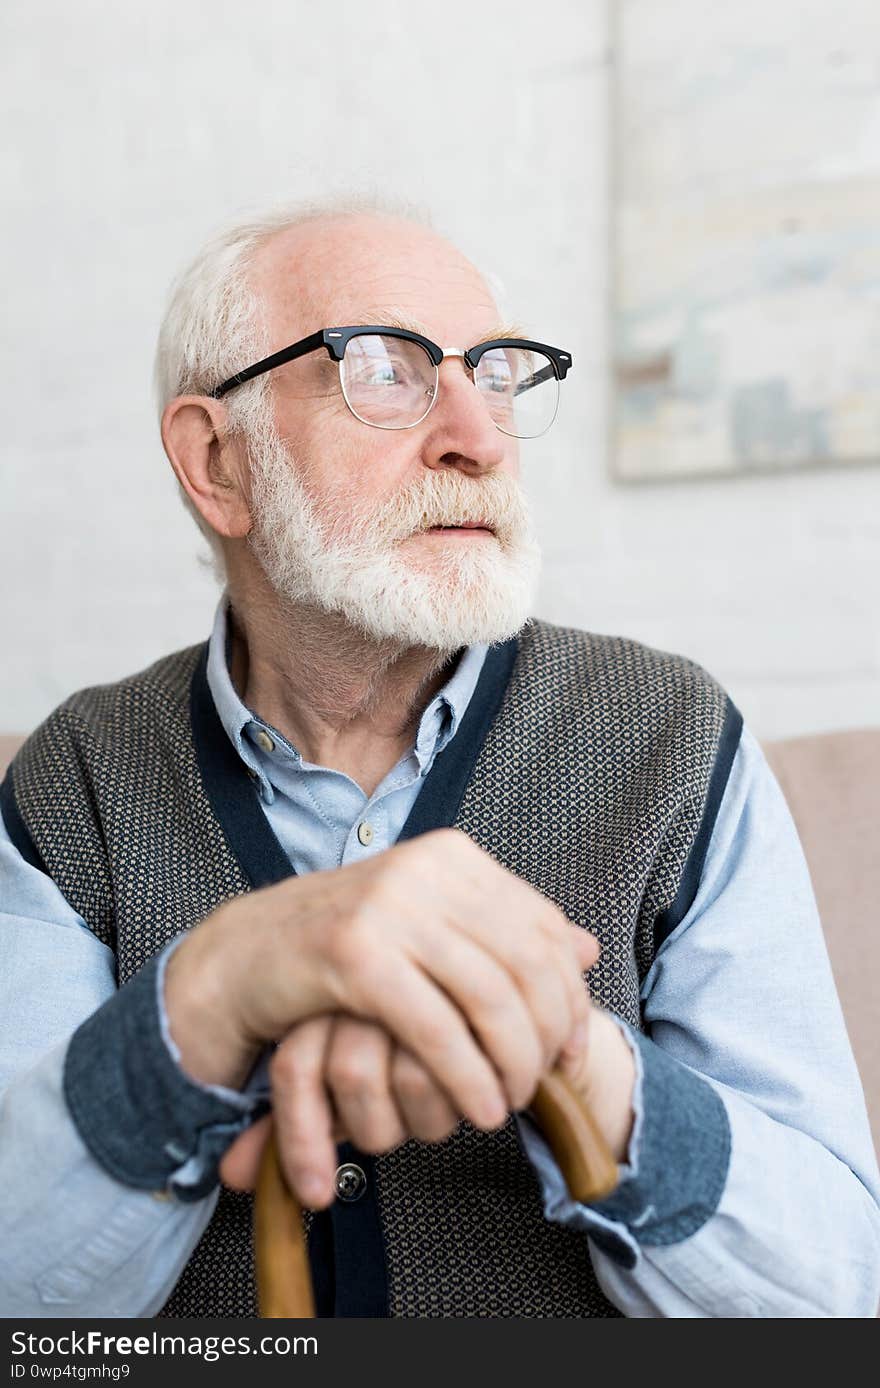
<point x="741" y="993"/>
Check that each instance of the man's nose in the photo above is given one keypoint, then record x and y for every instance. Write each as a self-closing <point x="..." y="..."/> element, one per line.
<point x="460" y="427"/>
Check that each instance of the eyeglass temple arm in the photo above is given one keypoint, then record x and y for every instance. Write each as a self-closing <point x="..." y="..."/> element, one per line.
<point x="547" y="373"/>
<point x="299" y="349"/>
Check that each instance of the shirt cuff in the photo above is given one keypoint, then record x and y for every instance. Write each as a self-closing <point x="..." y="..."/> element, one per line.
<point x="676" y="1168"/>
<point x="143" y="1119"/>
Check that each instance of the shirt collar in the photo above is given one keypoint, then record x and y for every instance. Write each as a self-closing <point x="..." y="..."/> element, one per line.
<point x="439" y="722"/>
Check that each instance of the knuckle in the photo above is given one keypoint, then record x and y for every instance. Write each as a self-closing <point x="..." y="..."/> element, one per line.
<point x="491" y="995"/>
<point x="521" y="1061"/>
<point x="300" y="1138"/>
<point x="351" y="1073"/>
<point x="530" y="955"/>
<point x="367" y="982"/>
<point x="413" y="1081"/>
<point x="289" y="1068"/>
<point x="432" y="1037"/>
<point x="554" y="1024"/>
<point x="550" y="916"/>
<point x="350" y="951"/>
<point x="343" y="941"/>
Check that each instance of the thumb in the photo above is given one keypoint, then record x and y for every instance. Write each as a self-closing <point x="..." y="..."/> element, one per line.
<point x="240" y="1165"/>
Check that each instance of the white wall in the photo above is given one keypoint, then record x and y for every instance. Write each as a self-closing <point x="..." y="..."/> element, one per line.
<point x="130" y="132"/>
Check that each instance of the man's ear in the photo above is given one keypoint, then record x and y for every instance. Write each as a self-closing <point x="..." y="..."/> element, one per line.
<point x="209" y="466"/>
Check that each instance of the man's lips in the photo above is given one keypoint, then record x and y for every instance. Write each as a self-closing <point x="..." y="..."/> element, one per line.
<point x="481" y="526"/>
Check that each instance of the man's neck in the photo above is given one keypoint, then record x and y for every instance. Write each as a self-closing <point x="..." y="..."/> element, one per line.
<point x="342" y="700"/>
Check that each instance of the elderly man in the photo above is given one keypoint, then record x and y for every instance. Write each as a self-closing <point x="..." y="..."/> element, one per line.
<point x="361" y="848"/>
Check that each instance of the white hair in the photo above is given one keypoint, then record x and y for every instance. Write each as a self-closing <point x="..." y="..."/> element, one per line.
<point x="372" y="564"/>
<point x="215" y="323"/>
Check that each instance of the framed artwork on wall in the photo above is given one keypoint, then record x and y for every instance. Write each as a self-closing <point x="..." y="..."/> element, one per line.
<point x="745" y="237"/>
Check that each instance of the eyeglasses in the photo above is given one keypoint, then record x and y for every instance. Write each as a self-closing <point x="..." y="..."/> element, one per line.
<point x="390" y="376"/>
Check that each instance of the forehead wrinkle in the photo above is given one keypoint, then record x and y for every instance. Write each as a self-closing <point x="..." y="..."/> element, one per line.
<point x="308" y="299"/>
<point x="408" y="282"/>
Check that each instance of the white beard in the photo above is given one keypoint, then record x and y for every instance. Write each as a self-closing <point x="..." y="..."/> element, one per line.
<point x="457" y="592"/>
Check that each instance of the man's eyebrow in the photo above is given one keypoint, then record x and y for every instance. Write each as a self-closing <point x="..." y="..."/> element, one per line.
<point x="384" y="318"/>
<point x="503" y="330"/>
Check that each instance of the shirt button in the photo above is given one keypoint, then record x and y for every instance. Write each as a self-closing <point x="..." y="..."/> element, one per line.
<point x="365" y="833"/>
<point x="265" y="741"/>
<point x="350" y="1182"/>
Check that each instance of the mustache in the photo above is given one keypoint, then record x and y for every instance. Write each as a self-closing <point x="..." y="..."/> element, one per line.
<point x="439" y="499"/>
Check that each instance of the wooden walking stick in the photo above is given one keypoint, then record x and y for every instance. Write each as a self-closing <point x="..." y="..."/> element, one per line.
<point x="284" y="1283"/>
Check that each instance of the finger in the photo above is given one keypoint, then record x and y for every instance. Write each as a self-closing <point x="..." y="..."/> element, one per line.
<point x="303" y="1114"/>
<point x="427" y="1112"/>
<point x="575" y="951"/>
<point x="586" y="947"/>
<point x="555" y="995"/>
<point x="422" y="1019"/>
<point x="571" y="955"/>
<point x="481" y="892"/>
<point x="358" y="1073"/>
<point x="507" y="1024"/>
<point x="240" y="1164"/>
<point x="539" y="947"/>
<point x="587" y="952"/>
<point x="521" y="1000"/>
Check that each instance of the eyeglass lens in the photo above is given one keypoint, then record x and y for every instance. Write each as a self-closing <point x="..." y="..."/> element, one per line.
<point x="390" y="382"/>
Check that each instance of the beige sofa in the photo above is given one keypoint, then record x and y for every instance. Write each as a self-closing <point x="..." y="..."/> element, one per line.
<point x="832" y="783"/>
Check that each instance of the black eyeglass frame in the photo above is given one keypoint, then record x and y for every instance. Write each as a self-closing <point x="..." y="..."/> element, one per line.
<point x="335" y="340"/>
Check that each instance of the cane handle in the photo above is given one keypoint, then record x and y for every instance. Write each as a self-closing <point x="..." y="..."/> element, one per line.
<point x="284" y="1283"/>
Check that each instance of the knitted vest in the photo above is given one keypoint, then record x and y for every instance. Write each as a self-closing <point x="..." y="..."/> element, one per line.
<point x="591" y="766"/>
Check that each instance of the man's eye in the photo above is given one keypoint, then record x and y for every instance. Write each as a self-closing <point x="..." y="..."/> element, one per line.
<point x="386" y="373"/>
<point x="500" y="385"/>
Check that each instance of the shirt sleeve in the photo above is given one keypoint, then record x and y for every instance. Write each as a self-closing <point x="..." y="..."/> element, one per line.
<point x="741" y="1001"/>
<point x="74" y="1240"/>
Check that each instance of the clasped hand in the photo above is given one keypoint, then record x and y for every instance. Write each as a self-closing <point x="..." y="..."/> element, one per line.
<point x="405" y="992"/>
<point x="337" y="1078"/>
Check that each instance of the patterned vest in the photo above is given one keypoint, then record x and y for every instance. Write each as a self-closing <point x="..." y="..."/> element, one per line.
<point x="591" y="766"/>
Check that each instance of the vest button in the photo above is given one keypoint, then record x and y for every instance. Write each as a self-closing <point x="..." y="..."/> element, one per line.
<point x="350" y="1181"/>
